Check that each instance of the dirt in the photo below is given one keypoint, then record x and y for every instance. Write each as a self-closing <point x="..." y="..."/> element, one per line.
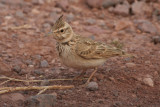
<point x="120" y="79"/>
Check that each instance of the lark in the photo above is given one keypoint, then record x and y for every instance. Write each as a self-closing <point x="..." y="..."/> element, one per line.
<point x="80" y="52"/>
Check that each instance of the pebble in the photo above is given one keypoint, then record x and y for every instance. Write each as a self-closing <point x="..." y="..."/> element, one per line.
<point x="94" y="3"/>
<point x="38" y="72"/>
<point x="156" y="39"/>
<point x="19" y="14"/>
<point x="130" y="65"/>
<point x="148" y="81"/>
<point x="44" y="64"/>
<point x="17" y="97"/>
<point x="12" y="2"/>
<point x="92" y="86"/>
<point x="45" y="83"/>
<point x="29" y="62"/>
<point x="122" y="24"/>
<point x="17" y="69"/>
<point x="70" y="17"/>
<point x="122" y="9"/>
<point x="90" y="21"/>
<point x="43" y="100"/>
<point x="37" y="2"/>
<point x="147" y="27"/>
<point x="109" y="3"/>
<point x="140" y="7"/>
<point x="37" y="57"/>
<point x="63" y="4"/>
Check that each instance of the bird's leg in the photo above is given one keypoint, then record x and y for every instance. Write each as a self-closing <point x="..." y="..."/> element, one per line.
<point x="79" y="76"/>
<point x="95" y="70"/>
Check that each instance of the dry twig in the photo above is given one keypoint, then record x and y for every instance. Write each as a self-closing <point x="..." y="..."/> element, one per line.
<point x="43" y="88"/>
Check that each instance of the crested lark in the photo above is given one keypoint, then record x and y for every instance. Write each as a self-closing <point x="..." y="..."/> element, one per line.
<point x="79" y="52"/>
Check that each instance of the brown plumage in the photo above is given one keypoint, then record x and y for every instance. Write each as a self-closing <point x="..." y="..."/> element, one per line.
<point x="80" y="52"/>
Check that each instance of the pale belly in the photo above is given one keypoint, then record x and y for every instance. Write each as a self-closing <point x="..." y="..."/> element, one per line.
<point x="72" y="60"/>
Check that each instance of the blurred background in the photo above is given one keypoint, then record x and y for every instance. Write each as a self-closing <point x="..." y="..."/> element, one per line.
<point x="132" y="25"/>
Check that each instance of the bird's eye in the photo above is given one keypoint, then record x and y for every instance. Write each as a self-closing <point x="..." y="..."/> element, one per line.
<point x="62" y="30"/>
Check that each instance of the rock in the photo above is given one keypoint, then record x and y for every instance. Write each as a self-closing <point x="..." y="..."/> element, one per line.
<point x="92" y="86"/>
<point x="23" y="71"/>
<point x="43" y="100"/>
<point x="156" y="39"/>
<point x="90" y="21"/>
<point x="147" y="27"/>
<point x="122" y="24"/>
<point x="17" y="69"/>
<point x="122" y="9"/>
<point x="108" y="3"/>
<point x="17" y="97"/>
<point x="63" y="4"/>
<point x="70" y="17"/>
<point x="45" y="83"/>
<point x="29" y="62"/>
<point x="94" y="3"/>
<point x="37" y="57"/>
<point x="12" y="2"/>
<point x="19" y="14"/>
<point x="140" y="7"/>
<point x="38" y="72"/>
<point x="100" y="77"/>
<point x="46" y="25"/>
<point x="44" y="64"/>
<point x="148" y="81"/>
<point x="130" y="65"/>
<point x="37" y="2"/>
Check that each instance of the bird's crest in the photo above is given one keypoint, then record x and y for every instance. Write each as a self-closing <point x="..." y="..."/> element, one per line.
<point x="59" y="23"/>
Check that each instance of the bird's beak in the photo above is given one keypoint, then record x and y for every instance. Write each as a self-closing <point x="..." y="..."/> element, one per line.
<point x="49" y="33"/>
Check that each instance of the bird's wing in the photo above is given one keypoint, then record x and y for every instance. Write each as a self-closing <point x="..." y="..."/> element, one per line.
<point x="90" y="49"/>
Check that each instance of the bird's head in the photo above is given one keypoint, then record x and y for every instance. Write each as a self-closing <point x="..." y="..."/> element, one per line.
<point x="61" y="31"/>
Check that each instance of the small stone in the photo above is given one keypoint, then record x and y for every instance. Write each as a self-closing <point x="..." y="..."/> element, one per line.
<point x="63" y="4"/>
<point x="70" y="17"/>
<point x="19" y="14"/>
<point x="147" y="27"/>
<point x="17" y="97"/>
<point x="43" y="100"/>
<point x="111" y="79"/>
<point x="23" y="71"/>
<point x="29" y="62"/>
<point x="92" y="86"/>
<point x="44" y="64"/>
<point x="94" y="3"/>
<point x="14" y="35"/>
<point x="37" y="57"/>
<point x="130" y="65"/>
<point x="17" y="69"/>
<point x="12" y="2"/>
<point x="148" y="81"/>
<point x="122" y="9"/>
<point x="31" y="66"/>
<point x="38" y="72"/>
<point x="46" y="25"/>
<point x="156" y="39"/>
<point x="122" y="24"/>
<point x="90" y="21"/>
<point x="100" y="77"/>
<point x="45" y="83"/>
<point x="37" y="2"/>
<point x="109" y="3"/>
<point x="140" y="7"/>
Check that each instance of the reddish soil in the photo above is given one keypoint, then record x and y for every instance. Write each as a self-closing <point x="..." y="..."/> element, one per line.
<point x="120" y="79"/>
